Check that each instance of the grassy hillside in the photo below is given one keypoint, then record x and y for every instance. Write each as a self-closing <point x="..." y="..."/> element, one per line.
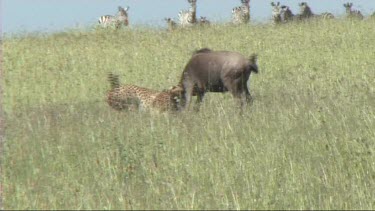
<point x="306" y="143"/>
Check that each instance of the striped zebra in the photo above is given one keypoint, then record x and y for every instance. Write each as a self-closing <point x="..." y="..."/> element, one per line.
<point x="189" y="17"/>
<point x="172" y="25"/>
<point x="241" y="14"/>
<point x="325" y="15"/>
<point x="306" y="13"/>
<point x="203" y="21"/>
<point x="236" y="15"/>
<point x="117" y="21"/>
<point x="286" y="14"/>
<point x="276" y="13"/>
<point x="353" y="14"/>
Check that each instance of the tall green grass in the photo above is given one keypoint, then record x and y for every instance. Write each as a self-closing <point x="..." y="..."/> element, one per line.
<point x="306" y="143"/>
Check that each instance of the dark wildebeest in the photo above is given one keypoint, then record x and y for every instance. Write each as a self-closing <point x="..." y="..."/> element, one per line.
<point x="216" y="71"/>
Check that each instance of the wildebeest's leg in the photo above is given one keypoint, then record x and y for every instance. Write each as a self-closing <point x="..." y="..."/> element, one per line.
<point x="249" y="98"/>
<point x="236" y="88"/>
<point x="200" y="95"/>
<point x="240" y="98"/>
<point x="188" y="93"/>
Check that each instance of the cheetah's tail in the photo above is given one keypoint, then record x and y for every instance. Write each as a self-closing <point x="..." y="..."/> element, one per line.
<point x="113" y="80"/>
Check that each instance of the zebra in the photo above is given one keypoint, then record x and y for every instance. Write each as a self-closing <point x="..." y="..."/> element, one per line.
<point x="172" y="25"/>
<point x="326" y="15"/>
<point x="236" y="15"/>
<point x="286" y="14"/>
<point x="188" y="17"/>
<point x="117" y="21"/>
<point x="352" y="13"/>
<point x="241" y="14"/>
<point x="203" y="21"/>
<point x="306" y="13"/>
<point x="245" y="11"/>
<point x="276" y="13"/>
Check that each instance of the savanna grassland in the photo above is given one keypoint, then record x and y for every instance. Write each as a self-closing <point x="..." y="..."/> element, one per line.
<point x="307" y="142"/>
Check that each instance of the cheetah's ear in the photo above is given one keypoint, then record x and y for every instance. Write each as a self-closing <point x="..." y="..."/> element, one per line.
<point x="176" y="90"/>
<point x="273" y="4"/>
<point x="127" y="8"/>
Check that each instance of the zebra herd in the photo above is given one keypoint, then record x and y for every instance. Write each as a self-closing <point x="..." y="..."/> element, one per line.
<point x="240" y="15"/>
<point x="283" y="14"/>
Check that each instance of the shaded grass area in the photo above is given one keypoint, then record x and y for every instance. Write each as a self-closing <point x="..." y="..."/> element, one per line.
<point x="306" y="143"/>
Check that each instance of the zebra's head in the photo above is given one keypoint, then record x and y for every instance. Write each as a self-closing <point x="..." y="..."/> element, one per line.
<point x="193" y="3"/>
<point x="275" y="7"/>
<point x="122" y="17"/>
<point x="236" y="10"/>
<point x="284" y="8"/>
<point x="170" y="21"/>
<point x="122" y="11"/>
<point x="352" y="13"/>
<point x="304" y="8"/>
<point x="348" y="7"/>
<point x="285" y="13"/>
<point x="276" y="12"/>
<point x="204" y="20"/>
<point x="245" y="2"/>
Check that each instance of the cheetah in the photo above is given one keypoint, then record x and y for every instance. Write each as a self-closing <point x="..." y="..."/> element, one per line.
<point x="134" y="98"/>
